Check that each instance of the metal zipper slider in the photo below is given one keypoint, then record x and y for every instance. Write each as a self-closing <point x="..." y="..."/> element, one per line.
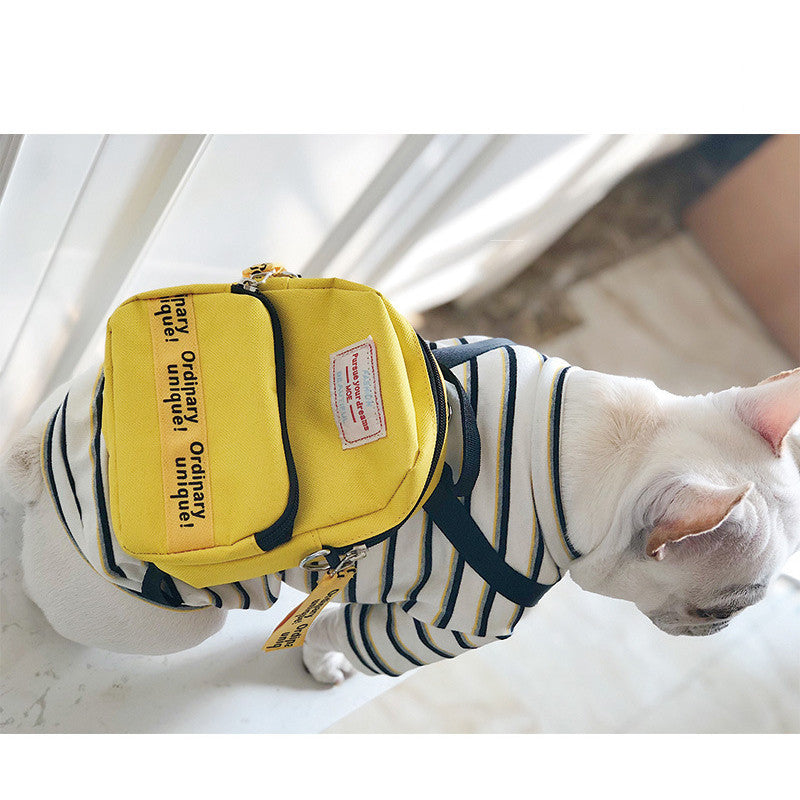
<point x="351" y="556"/>
<point x="317" y="562"/>
<point x="258" y="273"/>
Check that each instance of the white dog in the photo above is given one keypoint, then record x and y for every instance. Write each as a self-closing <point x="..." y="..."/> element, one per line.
<point x="686" y="506"/>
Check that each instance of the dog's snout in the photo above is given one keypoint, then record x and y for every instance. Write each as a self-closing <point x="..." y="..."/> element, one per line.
<point x="710" y="613"/>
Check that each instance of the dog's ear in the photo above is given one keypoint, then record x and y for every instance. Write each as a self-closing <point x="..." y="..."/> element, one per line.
<point x="694" y="510"/>
<point x="21" y="468"/>
<point x="772" y="407"/>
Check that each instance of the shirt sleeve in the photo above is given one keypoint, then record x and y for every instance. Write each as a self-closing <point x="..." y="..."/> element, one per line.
<point x="382" y="639"/>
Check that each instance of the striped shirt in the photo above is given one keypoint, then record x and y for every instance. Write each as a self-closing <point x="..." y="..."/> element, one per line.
<point x="413" y="599"/>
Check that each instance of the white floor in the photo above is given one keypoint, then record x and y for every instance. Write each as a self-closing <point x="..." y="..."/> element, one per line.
<point x="583" y="663"/>
<point x="226" y="685"/>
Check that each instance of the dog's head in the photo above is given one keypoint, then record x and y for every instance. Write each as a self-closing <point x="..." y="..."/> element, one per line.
<point x="711" y="510"/>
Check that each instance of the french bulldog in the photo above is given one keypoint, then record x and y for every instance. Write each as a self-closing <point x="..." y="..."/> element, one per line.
<point x="685" y="506"/>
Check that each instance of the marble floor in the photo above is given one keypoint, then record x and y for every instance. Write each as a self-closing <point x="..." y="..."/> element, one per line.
<point x="224" y="685"/>
<point x="582" y="663"/>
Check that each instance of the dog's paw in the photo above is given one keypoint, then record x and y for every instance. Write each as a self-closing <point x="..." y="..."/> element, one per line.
<point x="329" y="667"/>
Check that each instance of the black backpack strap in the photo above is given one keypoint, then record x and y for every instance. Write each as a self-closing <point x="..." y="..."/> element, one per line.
<point x="452" y="356"/>
<point x="456" y="354"/>
<point x="160" y="588"/>
<point x="456" y="523"/>
<point x="470" y="438"/>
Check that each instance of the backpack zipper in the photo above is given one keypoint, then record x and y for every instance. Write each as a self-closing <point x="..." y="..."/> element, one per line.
<point x="258" y="273"/>
<point x="281" y="530"/>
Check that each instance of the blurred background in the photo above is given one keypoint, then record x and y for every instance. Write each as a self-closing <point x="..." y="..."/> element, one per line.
<point x="671" y="257"/>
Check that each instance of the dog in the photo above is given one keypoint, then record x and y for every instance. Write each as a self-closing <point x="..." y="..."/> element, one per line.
<point x="685" y="506"/>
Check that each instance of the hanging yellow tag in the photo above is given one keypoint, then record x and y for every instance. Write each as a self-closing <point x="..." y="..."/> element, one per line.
<point x="291" y="632"/>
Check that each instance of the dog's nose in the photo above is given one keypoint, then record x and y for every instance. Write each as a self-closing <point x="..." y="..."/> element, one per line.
<point x="711" y="613"/>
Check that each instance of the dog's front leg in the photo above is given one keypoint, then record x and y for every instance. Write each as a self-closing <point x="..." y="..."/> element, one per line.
<point x="322" y="653"/>
<point x="378" y="639"/>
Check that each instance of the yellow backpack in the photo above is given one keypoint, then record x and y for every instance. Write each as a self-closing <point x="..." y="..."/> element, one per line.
<point x="254" y="427"/>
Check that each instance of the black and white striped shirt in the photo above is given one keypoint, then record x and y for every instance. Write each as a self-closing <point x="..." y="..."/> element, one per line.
<point x="413" y="600"/>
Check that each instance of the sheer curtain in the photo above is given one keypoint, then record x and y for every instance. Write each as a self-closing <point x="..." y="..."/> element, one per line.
<point x="88" y="220"/>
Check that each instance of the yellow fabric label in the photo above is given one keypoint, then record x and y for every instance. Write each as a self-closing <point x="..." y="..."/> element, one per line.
<point x="182" y="423"/>
<point x="291" y="632"/>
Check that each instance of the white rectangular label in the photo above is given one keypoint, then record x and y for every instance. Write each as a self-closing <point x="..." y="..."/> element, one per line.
<point x="356" y="394"/>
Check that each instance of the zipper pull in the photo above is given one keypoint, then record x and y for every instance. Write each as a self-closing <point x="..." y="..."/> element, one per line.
<point x="350" y="557"/>
<point x="258" y="273"/>
<point x="292" y="630"/>
<point x="318" y="562"/>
